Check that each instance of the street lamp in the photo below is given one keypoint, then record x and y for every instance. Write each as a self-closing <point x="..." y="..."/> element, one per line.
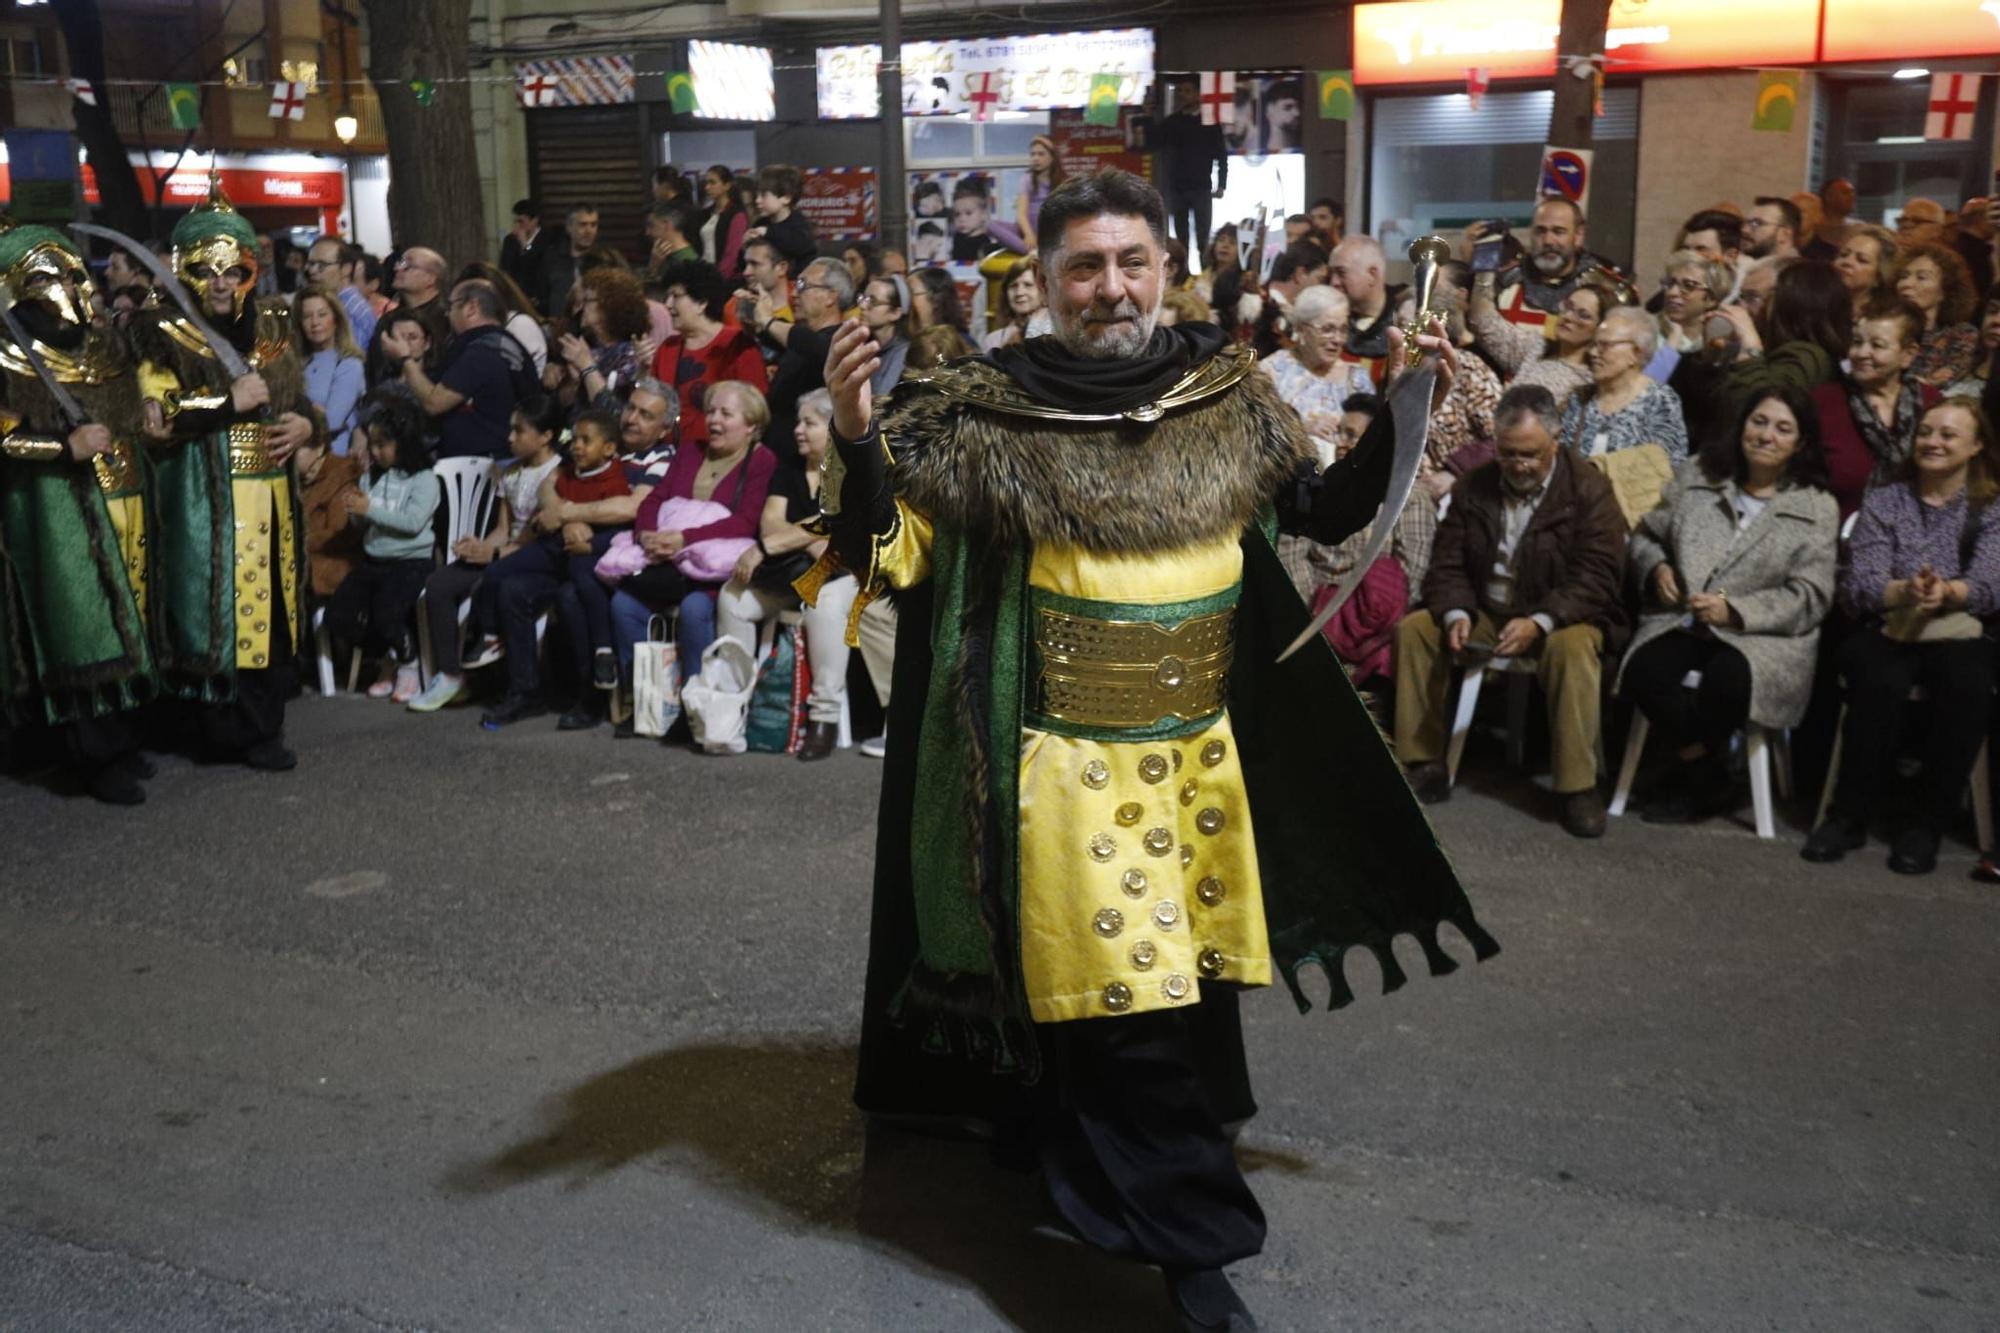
<point x="346" y="124"/>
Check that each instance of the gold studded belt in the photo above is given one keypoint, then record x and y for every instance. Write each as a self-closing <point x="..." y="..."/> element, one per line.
<point x="117" y="469"/>
<point x="1122" y="671"/>
<point x="247" y="455"/>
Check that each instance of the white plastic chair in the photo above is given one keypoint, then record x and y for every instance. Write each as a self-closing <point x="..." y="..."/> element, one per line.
<point x="1522" y="673"/>
<point x="468" y="485"/>
<point x="1765" y="750"/>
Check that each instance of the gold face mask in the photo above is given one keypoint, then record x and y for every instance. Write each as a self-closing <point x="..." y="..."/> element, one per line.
<point x="58" y="279"/>
<point x="198" y="264"/>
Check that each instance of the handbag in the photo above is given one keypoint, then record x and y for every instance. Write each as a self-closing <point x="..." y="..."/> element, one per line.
<point x="656" y="681"/>
<point x="774" y="574"/>
<point x="717" y="700"/>
<point x="778" y="706"/>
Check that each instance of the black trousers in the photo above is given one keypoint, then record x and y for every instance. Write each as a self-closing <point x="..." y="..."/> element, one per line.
<point x="1957" y="677"/>
<point x="95" y="742"/>
<point x="1188" y="216"/>
<point x="1709" y="712"/>
<point x="1134" y="1155"/>
<point x="443" y="591"/>
<point x="371" y="608"/>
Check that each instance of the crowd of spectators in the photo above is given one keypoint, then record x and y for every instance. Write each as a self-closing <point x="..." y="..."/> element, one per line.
<point x="1753" y="492"/>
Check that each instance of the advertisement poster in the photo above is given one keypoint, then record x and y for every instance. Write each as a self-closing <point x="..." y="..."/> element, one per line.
<point x="1269" y="113"/>
<point x="960" y="217"/>
<point x="1026" y="73"/>
<point x="1083" y="148"/>
<point x="841" y="203"/>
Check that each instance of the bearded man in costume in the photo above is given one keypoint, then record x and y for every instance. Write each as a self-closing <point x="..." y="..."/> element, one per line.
<point x="73" y="643"/>
<point x="1108" y="806"/>
<point x="230" y="554"/>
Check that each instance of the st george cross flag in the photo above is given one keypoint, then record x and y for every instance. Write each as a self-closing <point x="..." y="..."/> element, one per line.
<point x="82" y="91"/>
<point x="288" y="101"/>
<point x="983" y="93"/>
<point x="538" y="90"/>
<point x="1476" y="83"/>
<point x="1218" y="97"/>
<point x="1954" y="102"/>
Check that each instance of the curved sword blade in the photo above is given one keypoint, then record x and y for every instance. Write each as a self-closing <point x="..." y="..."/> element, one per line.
<point x="225" y="351"/>
<point x="65" y="400"/>
<point x="1410" y="407"/>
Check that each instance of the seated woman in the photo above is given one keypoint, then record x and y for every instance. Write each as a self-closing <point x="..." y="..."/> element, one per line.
<point x="1924" y="569"/>
<point x="728" y="468"/>
<point x="1559" y="363"/>
<point x="1864" y="263"/>
<point x="333" y="363"/>
<point x="1736" y="568"/>
<point x="1869" y="415"/>
<point x="762" y="585"/>
<point x="703" y="350"/>
<point x="1934" y="279"/>
<point x="1796" y="339"/>
<point x="1621" y="408"/>
<point x="531" y="438"/>
<point x="1020" y="302"/>
<point x="1690" y="290"/>
<point x="617" y="326"/>
<point x="1310" y="375"/>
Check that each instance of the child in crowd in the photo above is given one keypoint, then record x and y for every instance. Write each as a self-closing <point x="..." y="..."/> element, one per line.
<point x="532" y="437"/>
<point x="570" y="530"/>
<point x="371" y="608"/>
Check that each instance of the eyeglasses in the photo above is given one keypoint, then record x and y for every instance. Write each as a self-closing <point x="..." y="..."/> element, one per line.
<point x="315" y="265"/>
<point x="805" y="286"/>
<point x="1688" y="285"/>
<point x="1323" y="330"/>
<point x="867" y="302"/>
<point x="1606" y="344"/>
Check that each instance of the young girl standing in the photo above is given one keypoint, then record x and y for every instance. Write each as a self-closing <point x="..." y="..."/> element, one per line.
<point x="371" y="608"/>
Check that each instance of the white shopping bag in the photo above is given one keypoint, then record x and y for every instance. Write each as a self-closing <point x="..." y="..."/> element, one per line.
<point x="717" y="701"/>
<point x="656" y="681"/>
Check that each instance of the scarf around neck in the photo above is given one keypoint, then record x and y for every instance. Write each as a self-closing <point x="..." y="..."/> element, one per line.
<point x="1054" y="374"/>
<point x="1890" y="444"/>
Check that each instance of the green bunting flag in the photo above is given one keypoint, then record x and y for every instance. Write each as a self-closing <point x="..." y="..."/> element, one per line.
<point x="1102" y="108"/>
<point x="680" y="92"/>
<point x="423" y="90"/>
<point x="1777" y="100"/>
<point x="1336" y="94"/>
<point x="184" y="105"/>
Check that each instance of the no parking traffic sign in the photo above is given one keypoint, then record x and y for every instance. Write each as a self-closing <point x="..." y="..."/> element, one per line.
<point x="1566" y="175"/>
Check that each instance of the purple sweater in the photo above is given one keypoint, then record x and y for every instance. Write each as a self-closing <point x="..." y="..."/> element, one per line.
<point x="1895" y="533"/>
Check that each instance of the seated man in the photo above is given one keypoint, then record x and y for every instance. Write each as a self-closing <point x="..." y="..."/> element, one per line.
<point x="1527" y="563"/>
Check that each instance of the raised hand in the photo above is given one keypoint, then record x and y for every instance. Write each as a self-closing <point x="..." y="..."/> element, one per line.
<point x="853" y="357"/>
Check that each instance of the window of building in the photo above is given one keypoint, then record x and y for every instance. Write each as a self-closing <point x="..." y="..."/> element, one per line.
<point x="1875" y="138"/>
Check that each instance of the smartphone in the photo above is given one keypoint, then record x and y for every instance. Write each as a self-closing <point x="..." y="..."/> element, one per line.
<point x="1486" y="254"/>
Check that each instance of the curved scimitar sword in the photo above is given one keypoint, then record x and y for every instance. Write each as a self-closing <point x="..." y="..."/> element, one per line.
<point x="225" y="351"/>
<point x="65" y="400"/>
<point x="1410" y="408"/>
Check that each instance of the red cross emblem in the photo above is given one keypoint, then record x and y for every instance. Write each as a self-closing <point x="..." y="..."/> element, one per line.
<point x="1218" y="97"/>
<point x="288" y="101"/>
<point x="538" y="90"/>
<point x="979" y="91"/>
<point x="1954" y="100"/>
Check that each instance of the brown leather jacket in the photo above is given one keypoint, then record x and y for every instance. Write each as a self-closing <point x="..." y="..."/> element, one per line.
<point x="333" y="545"/>
<point x="1571" y="561"/>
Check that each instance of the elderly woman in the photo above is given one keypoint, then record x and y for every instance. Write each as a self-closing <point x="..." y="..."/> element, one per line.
<point x="1864" y="262"/>
<point x="704" y="349"/>
<point x="1868" y="417"/>
<point x="1924" y="568"/>
<point x="615" y="321"/>
<point x="1310" y="374"/>
<point x="1934" y="279"/>
<point x="762" y="584"/>
<point x="1558" y="360"/>
<point x="1737" y="568"/>
<point x="1622" y="408"/>
<point x="1691" y="289"/>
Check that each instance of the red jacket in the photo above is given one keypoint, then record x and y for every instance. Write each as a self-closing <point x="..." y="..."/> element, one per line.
<point x="730" y="355"/>
<point x="1849" y="462"/>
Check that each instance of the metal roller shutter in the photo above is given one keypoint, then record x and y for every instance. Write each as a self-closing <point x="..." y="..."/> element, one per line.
<point x="593" y="155"/>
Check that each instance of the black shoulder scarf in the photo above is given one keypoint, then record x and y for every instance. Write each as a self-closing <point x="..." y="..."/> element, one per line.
<point x="1054" y="374"/>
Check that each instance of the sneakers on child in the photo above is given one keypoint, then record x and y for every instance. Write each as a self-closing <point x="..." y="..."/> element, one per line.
<point x="382" y="688"/>
<point x="443" y="689"/>
<point x="875" y="747"/>
<point x="604" y="669"/>
<point x="408" y="682"/>
<point x="486" y="652"/>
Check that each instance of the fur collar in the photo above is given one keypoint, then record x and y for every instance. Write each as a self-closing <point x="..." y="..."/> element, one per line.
<point x="1199" y="473"/>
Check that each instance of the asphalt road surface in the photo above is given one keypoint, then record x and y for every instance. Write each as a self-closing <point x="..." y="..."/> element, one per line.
<point x="457" y="1030"/>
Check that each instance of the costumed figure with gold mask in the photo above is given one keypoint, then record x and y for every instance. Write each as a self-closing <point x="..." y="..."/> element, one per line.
<point x="232" y="534"/>
<point x="1109" y="809"/>
<point x="74" y="584"/>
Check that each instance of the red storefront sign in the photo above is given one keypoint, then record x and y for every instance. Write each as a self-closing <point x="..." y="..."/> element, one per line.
<point x="247" y="187"/>
<point x="841" y="202"/>
<point x="1083" y="148"/>
<point x="1900" y="29"/>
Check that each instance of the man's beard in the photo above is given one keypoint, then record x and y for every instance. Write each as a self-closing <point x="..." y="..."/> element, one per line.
<point x="1073" y="330"/>
<point x="1522" y="487"/>
<point x="1552" y="263"/>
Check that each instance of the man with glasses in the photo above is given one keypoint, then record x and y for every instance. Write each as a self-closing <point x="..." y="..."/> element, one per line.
<point x="485" y="373"/>
<point x="331" y="265"/>
<point x="821" y="296"/>
<point x="1771" y="231"/>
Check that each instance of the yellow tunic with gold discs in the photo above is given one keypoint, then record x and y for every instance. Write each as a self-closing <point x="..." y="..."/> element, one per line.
<point x="267" y="537"/>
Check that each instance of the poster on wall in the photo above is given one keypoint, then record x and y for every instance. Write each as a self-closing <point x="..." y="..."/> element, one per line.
<point x="1082" y="148"/>
<point x="1269" y="112"/>
<point x="841" y="203"/>
<point x="1024" y="73"/>
<point x="960" y="217"/>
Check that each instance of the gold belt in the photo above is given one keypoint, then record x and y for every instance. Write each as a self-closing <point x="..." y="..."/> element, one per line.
<point x="117" y="470"/>
<point x="1127" y="674"/>
<point x="247" y="455"/>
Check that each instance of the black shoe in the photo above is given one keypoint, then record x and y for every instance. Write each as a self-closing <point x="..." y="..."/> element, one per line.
<point x="270" y="756"/>
<point x="1431" y="782"/>
<point x="580" y="718"/>
<point x="1914" y="852"/>
<point x="1205" y="1300"/>
<point x="1583" y="813"/>
<point x="514" y="708"/>
<point x="136" y="766"/>
<point x="114" y="784"/>
<point x="1834" y="839"/>
<point x="1698" y="790"/>
<point x="604" y="669"/>
<point x="819" y="740"/>
<point x="625" y="729"/>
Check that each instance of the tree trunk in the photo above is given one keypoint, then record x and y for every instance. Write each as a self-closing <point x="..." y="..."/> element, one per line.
<point x="1572" y="121"/>
<point x="433" y="165"/>
<point x="117" y="184"/>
